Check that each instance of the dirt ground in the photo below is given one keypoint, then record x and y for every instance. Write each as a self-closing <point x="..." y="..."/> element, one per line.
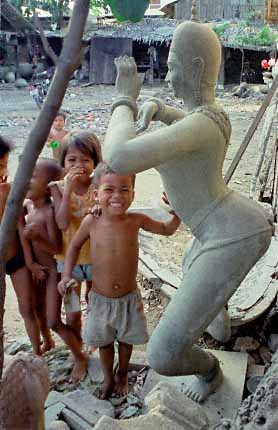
<point x="89" y="108"/>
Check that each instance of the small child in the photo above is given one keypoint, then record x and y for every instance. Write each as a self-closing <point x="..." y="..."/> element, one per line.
<point x="42" y="241"/>
<point x="15" y="265"/>
<point x="73" y="199"/>
<point x="56" y="135"/>
<point x="116" y="308"/>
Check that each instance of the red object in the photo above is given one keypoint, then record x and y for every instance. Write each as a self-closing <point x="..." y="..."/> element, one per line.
<point x="264" y="64"/>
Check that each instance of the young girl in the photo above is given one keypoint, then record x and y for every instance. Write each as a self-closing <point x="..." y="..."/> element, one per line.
<point x="56" y="135"/>
<point x="73" y="199"/>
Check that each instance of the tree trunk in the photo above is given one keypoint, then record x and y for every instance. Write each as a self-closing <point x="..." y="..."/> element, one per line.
<point x="68" y="61"/>
<point x="48" y="50"/>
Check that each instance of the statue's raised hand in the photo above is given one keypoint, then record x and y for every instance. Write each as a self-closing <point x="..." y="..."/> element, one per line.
<point x="146" y="114"/>
<point x="128" y="82"/>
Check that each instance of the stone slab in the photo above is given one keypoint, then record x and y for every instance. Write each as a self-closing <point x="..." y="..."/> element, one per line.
<point x="227" y="399"/>
<point x="87" y="406"/>
<point x="53" y="398"/>
<point x="106" y="423"/>
<point x="74" y="421"/>
<point x="53" y="413"/>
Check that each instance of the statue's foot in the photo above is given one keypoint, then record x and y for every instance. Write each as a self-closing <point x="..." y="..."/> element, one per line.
<point x="203" y="386"/>
<point x="220" y="327"/>
<point x="79" y="370"/>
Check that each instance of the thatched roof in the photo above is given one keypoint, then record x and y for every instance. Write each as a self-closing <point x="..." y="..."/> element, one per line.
<point x="149" y="30"/>
<point x="12" y="20"/>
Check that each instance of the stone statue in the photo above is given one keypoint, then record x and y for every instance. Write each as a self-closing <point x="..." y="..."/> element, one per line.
<point x="23" y="391"/>
<point x="231" y="232"/>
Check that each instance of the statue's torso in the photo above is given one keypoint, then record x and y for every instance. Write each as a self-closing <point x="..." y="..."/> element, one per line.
<point x="195" y="187"/>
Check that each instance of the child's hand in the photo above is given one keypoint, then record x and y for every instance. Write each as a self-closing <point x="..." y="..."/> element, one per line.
<point x="72" y="178"/>
<point x="39" y="272"/>
<point x="62" y="285"/>
<point x="96" y="211"/>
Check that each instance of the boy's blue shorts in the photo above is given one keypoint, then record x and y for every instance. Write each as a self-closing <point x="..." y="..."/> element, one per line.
<point x="81" y="272"/>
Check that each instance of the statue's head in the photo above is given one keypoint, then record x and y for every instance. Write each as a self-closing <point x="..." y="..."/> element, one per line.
<point x="194" y="59"/>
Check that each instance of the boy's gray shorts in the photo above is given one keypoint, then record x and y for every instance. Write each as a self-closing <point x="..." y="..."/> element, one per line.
<point x="111" y="319"/>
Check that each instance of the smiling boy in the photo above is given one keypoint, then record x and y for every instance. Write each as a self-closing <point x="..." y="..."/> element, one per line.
<point x="116" y="308"/>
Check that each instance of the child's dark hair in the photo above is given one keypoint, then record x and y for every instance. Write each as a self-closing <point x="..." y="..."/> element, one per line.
<point x="6" y="146"/>
<point x="62" y="114"/>
<point x="51" y="169"/>
<point x="103" y="169"/>
<point x="85" y="142"/>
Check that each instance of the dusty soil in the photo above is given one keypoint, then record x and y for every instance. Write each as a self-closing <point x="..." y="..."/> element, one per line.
<point x="89" y="108"/>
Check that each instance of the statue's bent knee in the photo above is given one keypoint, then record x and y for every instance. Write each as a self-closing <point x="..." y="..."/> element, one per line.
<point x="165" y="358"/>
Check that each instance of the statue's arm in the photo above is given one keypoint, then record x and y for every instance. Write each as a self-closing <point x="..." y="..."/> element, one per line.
<point x="155" y="110"/>
<point x="127" y="153"/>
<point x="171" y="115"/>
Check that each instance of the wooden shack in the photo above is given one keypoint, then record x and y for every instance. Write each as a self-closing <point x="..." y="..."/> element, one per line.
<point x="222" y="9"/>
<point x="147" y="41"/>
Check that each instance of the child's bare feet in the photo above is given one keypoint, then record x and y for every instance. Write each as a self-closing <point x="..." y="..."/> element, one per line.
<point x="107" y="389"/>
<point x="121" y="383"/>
<point x="47" y="345"/>
<point x="79" y="370"/>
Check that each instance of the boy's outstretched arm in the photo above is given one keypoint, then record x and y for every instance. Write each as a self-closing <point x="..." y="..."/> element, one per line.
<point x="80" y="237"/>
<point x="164" y="228"/>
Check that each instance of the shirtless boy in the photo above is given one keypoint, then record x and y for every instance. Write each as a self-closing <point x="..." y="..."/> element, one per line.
<point x="116" y="308"/>
<point x="42" y="239"/>
<point x="45" y="238"/>
<point x="56" y="135"/>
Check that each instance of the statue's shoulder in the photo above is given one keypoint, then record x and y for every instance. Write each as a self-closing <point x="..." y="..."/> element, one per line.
<point x="218" y="115"/>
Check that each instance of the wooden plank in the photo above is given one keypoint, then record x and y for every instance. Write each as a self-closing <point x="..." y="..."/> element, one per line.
<point x="251" y="131"/>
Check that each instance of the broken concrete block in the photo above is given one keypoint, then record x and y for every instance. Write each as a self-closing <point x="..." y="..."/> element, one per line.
<point x="171" y="403"/>
<point x="87" y="406"/>
<point x="58" y="425"/>
<point x="106" y="423"/>
<point x="53" y="398"/>
<point x="74" y="421"/>
<point x="53" y="413"/>
<point x="227" y="398"/>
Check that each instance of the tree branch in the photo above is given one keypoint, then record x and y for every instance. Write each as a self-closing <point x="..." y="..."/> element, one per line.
<point x="67" y="63"/>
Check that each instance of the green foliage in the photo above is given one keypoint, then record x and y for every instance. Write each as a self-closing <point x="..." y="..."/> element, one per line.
<point x="123" y="10"/>
<point x="128" y="10"/>
<point x="220" y="29"/>
<point x="264" y="38"/>
<point x="56" y="7"/>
